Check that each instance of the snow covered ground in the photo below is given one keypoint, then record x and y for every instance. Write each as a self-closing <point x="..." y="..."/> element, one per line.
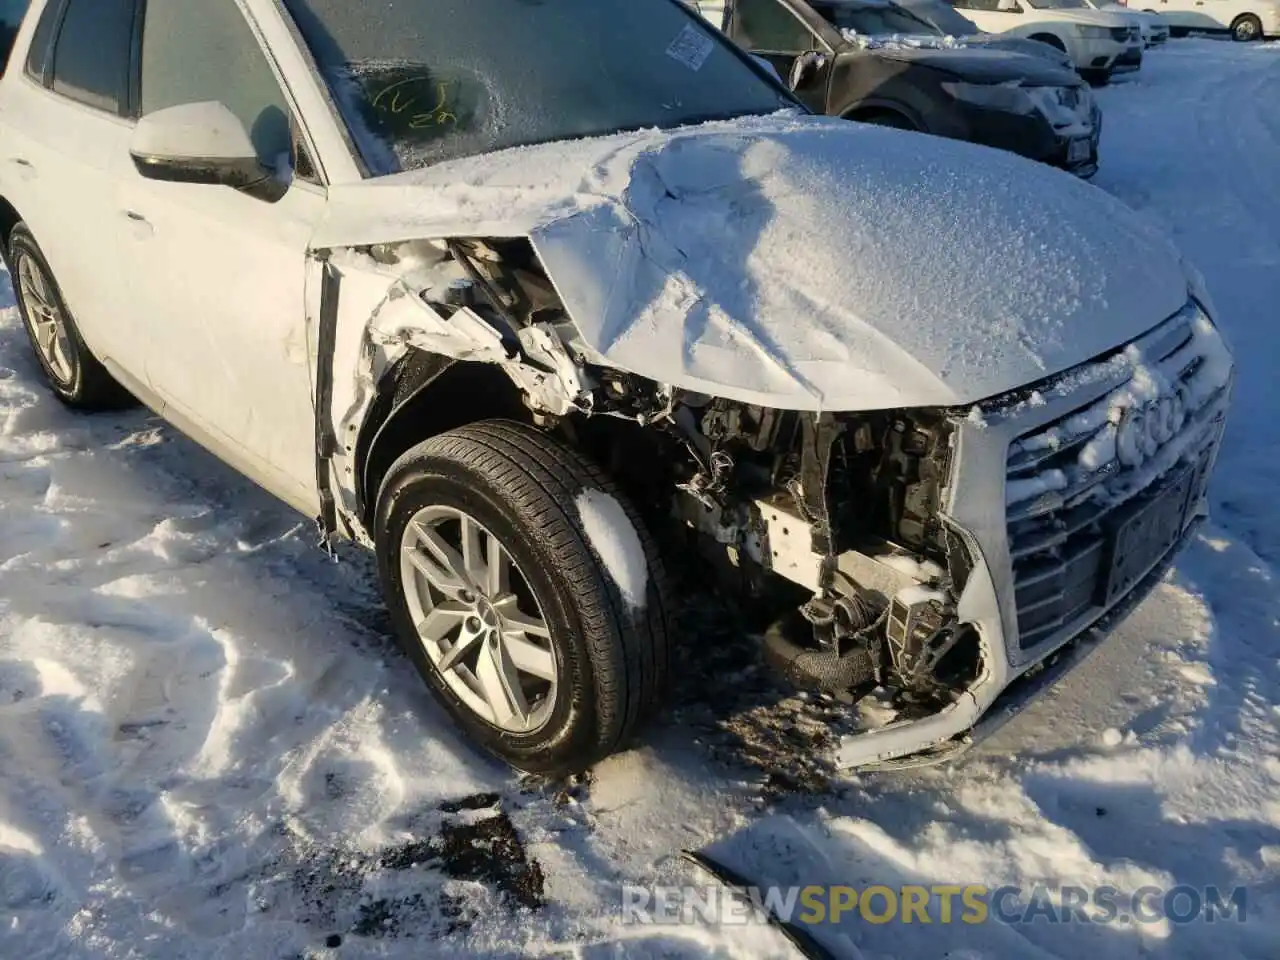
<point x="208" y="748"/>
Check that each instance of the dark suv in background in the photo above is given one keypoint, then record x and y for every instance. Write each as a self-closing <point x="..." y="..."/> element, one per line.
<point x="11" y="14"/>
<point x="876" y="62"/>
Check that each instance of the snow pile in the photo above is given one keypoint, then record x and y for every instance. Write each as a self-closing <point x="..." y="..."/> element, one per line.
<point x="1185" y="427"/>
<point x="1050" y="481"/>
<point x="614" y="539"/>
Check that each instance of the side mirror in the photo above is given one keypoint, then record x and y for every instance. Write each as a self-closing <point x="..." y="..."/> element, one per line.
<point x="805" y="68"/>
<point x="202" y="143"/>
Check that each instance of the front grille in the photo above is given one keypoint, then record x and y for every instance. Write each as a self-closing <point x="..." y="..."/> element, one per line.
<point x="1072" y="483"/>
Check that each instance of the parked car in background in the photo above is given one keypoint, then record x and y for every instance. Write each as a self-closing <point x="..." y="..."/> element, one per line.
<point x="873" y="61"/>
<point x="946" y="18"/>
<point x="1100" y="43"/>
<point x="1155" y="29"/>
<point x="1244" y="20"/>
<point x="356" y="257"/>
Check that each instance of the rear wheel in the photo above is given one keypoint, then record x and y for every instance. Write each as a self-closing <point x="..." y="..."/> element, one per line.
<point x="1246" y="28"/>
<point x="73" y="373"/>
<point x="526" y="592"/>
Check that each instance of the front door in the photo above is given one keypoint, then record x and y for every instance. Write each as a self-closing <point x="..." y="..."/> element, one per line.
<point x="219" y="276"/>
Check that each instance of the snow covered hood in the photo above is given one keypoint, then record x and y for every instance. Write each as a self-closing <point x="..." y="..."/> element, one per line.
<point x="983" y="63"/>
<point x="802" y="262"/>
<point x="1032" y="48"/>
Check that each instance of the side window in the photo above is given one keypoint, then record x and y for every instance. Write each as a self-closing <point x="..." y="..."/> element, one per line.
<point x="768" y="26"/>
<point x="91" y="54"/>
<point x="42" y="40"/>
<point x="991" y="6"/>
<point x="195" y="51"/>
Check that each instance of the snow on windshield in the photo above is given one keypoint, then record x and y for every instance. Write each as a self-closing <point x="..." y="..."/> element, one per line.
<point x="431" y="80"/>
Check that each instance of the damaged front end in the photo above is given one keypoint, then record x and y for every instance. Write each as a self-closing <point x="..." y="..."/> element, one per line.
<point x="848" y="509"/>
<point x="914" y="562"/>
<point x="835" y="521"/>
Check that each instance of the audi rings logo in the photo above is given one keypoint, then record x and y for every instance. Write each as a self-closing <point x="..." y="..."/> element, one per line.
<point x="1144" y="428"/>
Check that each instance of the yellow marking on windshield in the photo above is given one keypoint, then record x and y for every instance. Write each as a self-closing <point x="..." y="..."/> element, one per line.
<point x="395" y="99"/>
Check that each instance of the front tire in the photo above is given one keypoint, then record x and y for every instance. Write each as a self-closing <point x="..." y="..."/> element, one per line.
<point x="72" y="371"/>
<point x="1246" y="28"/>
<point x="492" y="568"/>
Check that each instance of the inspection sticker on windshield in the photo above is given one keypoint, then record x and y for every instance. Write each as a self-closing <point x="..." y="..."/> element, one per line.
<point x="691" y="47"/>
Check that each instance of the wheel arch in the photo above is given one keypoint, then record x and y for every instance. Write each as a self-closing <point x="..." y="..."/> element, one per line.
<point x="1247" y="15"/>
<point x="1052" y="39"/>
<point x="423" y="396"/>
<point x="9" y="218"/>
<point x="864" y="110"/>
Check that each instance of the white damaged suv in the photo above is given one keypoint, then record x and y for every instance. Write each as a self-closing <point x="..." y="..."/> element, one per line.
<point x="528" y="297"/>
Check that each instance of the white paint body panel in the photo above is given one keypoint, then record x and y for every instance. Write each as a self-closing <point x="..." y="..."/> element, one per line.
<point x="215" y="281"/>
<point x="1062" y="24"/>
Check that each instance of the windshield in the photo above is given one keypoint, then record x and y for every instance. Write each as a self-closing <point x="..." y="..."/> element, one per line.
<point x="872" y="20"/>
<point x="943" y="16"/>
<point x="1059" y="4"/>
<point x="422" y="81"/>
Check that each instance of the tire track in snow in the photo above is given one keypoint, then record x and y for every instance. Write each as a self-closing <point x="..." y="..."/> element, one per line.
<point x="200" y="718"/>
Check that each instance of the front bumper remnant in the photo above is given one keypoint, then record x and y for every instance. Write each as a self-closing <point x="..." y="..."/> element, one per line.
<point x="898" y="747"/>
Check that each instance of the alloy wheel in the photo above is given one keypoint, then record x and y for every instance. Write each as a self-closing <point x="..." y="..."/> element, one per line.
<point x="478" y="619"/>
<point x="1247" y="30"/>
<point x="45" y="319"/>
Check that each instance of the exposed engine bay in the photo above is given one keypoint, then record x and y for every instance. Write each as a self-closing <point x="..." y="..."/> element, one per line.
<point x="831" y="523"/>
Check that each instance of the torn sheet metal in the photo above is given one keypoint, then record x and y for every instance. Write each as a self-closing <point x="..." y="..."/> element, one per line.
<point x="370" y="314"/>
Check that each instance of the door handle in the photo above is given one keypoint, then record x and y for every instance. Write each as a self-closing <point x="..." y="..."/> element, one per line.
<point x="26" y="169"/>
<point x="139" y="225"/>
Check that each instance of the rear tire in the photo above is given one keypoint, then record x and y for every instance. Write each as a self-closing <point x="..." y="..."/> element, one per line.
<point x="1246" y="28"/>
<point x="600" y="659"/>
<point x="72" y="371"/>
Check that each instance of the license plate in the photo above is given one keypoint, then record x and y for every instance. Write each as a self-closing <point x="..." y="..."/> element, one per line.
<point x="1078" y="150"/>
<point x="1147" y="534"/>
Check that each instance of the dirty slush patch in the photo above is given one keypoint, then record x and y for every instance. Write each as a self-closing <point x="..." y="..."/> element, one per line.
<point x="467" y="861"/>
<point x="471" y="863"/>
<point x="748" y="719"/>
